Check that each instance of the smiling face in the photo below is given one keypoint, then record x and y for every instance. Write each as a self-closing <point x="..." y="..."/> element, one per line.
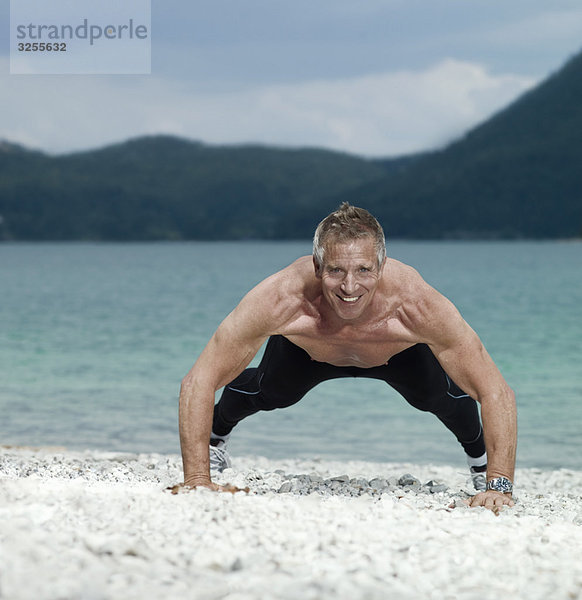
<point x="350" y="275"/>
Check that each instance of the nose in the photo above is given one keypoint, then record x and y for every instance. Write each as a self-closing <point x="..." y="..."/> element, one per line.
<point x="349" y="284"/>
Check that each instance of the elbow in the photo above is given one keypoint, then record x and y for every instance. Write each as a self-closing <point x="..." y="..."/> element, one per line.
<point x="510" y="393"/>
<point x="187" y="382"/>
<point x="193" y="385"/>
<point x="188" y="385"/>
<point x="503" y="395"/>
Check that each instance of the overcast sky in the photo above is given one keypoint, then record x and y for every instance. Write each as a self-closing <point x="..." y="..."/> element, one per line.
<point x="370" y="77"/>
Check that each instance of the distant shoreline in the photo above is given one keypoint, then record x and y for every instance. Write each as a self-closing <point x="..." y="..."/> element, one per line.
<point x="290" y="241"/>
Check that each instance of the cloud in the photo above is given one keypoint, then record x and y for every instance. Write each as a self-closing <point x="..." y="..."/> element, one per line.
<point x="553" y="25"/>
<point x="377" y="115"/>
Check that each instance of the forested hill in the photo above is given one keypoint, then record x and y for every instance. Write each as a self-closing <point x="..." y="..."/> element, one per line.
<point x="516" y="175"/>
<point x="169" y="188"/>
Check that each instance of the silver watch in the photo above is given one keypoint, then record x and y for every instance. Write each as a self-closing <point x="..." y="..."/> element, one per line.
<point x="500" y="484"/>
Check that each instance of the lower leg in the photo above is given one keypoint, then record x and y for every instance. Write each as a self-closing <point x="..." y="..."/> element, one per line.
<point x="463" y="420"/>
<point x="461" y="417"/>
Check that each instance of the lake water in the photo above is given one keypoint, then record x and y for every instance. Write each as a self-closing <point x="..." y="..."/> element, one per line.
<point x="95" y="338"/>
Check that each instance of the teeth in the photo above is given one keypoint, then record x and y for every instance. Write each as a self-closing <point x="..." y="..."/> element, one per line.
<point x="353" y="299"/>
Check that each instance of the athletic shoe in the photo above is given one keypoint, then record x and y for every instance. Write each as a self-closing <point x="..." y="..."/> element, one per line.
<point x="479" y="477"/>
<point x="219" y="458"/>
<point x="478" y="470"/>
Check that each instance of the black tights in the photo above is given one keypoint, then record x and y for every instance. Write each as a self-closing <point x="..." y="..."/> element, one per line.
<point x="286" y="373"/>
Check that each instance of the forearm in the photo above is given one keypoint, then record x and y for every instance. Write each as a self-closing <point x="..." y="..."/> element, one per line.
<point x="500" y="430"/>
<point x="196" y="411"/>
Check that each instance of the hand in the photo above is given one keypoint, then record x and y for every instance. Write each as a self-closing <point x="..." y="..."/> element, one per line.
<point x="185" y="487"/>
<point x="494" y="501"/>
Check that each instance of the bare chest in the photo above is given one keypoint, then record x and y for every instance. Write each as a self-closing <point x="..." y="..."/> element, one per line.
<point x="365" y="346"/>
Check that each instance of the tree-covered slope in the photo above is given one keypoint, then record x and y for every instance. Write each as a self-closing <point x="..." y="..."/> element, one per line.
<point x="517" y="175"/>
<point x="169" y="188"/>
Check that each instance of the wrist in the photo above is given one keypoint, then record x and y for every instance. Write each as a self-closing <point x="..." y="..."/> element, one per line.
<point x="196" y="475"/>
<point x="500" y="484"/>
<point x="195" y="481"/>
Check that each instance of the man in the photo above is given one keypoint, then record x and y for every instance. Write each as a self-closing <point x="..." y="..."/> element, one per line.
<point x="348" y="311"/>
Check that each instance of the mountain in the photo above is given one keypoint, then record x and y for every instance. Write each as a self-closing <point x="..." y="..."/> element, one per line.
<point x="519" y="174"/>
<point x="516" y="175"/>
<point x="164" y="187"/>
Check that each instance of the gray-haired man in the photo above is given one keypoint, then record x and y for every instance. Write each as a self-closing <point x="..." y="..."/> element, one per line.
<point x="348" y="311"/>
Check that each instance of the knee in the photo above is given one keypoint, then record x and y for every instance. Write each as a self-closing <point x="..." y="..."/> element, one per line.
<point x="443" y="405"/>
<point x="425" y="403"/>
<point x="266" y="401"/>
<point x="247" y="383"/>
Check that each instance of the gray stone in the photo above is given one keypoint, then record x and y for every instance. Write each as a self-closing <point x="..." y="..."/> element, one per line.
<point x="434" y="487"/>
<point x="237" y="565"/>
<point x="304" y="479"/>
<point x="360" y="482"/>
<point x="408" y="479"/>
<point x="286" y="487"/>
<point x="342" y="478"/>
<point x="378" y="484"/>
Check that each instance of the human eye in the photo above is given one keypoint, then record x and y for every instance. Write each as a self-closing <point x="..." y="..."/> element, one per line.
<point x="333" y="270"/>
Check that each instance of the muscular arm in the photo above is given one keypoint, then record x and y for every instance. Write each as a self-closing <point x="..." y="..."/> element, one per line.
<point x="465" y="359"/>
<point x="231" y="348"/>
<point x="227" y="353"/>
<point x="463" y="356"/>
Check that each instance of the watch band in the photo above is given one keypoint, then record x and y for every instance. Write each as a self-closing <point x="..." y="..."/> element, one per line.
<point x="500" y="484"/>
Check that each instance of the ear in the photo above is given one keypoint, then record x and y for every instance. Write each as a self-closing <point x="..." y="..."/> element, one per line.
<point x="317" y="268"/>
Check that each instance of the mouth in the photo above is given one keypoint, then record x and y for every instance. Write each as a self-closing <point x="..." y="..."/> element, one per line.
<point x="349" y="299"/>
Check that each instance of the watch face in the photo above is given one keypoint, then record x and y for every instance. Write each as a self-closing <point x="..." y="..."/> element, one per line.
<point x="500" y="484"/>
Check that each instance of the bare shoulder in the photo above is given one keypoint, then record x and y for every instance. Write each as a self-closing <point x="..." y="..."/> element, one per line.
<point x="422" y="309"/>
<point x="406" y="283"/>
<point x="280" y="297"/>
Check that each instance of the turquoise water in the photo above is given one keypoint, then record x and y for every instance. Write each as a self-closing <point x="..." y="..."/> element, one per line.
<point x="94" y="340"/>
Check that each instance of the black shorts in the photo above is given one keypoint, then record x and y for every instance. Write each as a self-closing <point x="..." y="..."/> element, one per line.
<point x="287" y="372"/>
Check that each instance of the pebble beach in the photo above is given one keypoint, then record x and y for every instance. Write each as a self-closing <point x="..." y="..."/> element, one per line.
<point x="96" y="525"/>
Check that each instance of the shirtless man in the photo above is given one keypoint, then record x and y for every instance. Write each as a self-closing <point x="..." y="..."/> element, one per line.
<point x="348" y="311"/>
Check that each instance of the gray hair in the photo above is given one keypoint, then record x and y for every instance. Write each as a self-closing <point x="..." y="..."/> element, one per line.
<point x="345" y="224"/>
